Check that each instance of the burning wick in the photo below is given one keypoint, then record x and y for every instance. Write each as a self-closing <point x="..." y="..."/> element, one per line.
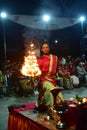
<point x="48" y="117"/>
<point x="84" y="100"/>
<point x="32" y="45"/>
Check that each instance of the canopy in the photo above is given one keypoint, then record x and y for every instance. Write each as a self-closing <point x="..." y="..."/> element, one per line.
<point x="37" y="22"/>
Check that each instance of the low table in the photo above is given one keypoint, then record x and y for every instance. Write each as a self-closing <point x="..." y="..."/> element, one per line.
<point x="32" y="120"/>
<point x="29" y="119"/>
<point x="26" y="118"/>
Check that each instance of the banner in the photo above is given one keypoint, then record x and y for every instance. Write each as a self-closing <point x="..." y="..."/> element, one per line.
<point x="37" y="22"/>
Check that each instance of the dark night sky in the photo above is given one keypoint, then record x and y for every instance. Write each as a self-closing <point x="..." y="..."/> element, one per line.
<point x="70" y="37"/>
<point x="57" y="7"/>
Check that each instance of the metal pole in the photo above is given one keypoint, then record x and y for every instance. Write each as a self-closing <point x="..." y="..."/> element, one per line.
<point x="47" y="36"/>
<point x="82" y="29"/>
<point x="81" y="41"/>
<point x="4" y="38"/>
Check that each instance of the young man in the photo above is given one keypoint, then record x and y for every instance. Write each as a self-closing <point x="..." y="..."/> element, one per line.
<point x="48" y="65"/>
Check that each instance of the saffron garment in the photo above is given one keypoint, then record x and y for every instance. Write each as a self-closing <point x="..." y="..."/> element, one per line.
<point x="48" y="67"/>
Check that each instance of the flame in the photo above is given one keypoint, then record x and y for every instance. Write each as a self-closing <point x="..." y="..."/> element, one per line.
<point x="84" y="100"/>
<point x="30" y="67"/>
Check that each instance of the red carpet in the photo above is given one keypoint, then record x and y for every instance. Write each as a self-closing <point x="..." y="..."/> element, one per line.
<point x="27" y="106"/>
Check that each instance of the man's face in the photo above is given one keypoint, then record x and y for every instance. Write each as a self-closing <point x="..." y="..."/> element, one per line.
<point x="45" y="49"/>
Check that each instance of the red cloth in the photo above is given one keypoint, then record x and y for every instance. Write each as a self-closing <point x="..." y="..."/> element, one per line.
<point x="27" y="106"/>
<point x="48" y="66"/>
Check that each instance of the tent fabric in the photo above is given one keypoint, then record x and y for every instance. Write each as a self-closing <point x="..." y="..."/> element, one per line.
<point x="38" y="23"/>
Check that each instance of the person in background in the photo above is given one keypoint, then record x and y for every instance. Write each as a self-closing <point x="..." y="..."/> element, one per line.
<point x="66" y="80"/>
<point x="73" y="76"/>
<point x="81" y="74"/>
<point x="48" y="65"/>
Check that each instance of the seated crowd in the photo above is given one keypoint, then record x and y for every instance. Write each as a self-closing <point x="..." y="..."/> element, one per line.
<point x="74" y="74"/>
